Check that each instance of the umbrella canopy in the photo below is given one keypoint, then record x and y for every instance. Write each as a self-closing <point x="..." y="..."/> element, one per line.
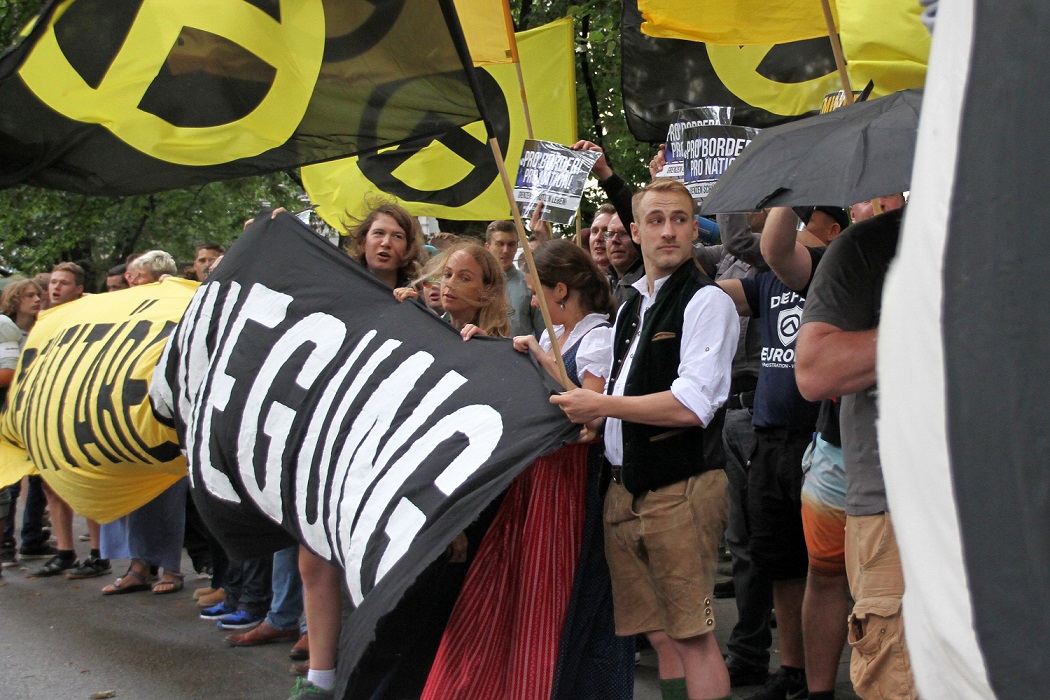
<point x="855" y="153"/>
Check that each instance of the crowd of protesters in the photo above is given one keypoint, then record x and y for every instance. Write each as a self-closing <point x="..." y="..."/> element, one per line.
<point x="694" y="428"/>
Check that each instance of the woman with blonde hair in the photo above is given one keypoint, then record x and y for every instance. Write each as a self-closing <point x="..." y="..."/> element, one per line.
<point x="534" y="619"/>
<point x="473" y="291"/>
<point x="19" y="306"/>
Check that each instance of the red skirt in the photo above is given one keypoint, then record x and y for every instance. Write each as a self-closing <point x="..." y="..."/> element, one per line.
<point x="502" y="638"/>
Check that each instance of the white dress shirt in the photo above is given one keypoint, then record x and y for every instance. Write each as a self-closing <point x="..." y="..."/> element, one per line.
<point x="710" y="331"/>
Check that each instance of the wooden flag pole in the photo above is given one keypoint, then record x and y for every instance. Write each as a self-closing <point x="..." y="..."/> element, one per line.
<point x="524" y="100"/>
<point x="836" y="48"/>
<point x="512" y="42"/>
<point x="563" y="376"/>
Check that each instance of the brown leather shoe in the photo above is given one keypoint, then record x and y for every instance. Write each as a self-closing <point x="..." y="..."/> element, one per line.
<point x="301" y="650"/>
<point x="263" y="633"/>
<point x="300" y="668"/>
<point x="210" y="599"/>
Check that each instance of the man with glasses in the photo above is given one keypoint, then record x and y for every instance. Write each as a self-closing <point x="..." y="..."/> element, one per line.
<point x="625" y="262"/>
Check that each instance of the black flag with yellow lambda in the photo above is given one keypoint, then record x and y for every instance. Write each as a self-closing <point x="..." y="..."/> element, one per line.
<point x="120" y="97"/>
<point x="765" y="84"/>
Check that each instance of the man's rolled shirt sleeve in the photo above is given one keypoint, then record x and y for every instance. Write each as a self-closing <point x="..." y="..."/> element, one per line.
<point x="710" y="331"/>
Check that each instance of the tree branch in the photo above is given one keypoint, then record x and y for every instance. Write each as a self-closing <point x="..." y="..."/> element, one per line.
<point x="598" y="132"/>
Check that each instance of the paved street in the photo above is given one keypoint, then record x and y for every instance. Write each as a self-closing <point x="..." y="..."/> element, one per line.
<point x="61" y="640"/>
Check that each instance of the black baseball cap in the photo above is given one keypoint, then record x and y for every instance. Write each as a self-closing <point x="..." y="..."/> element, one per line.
<point x="836" y="213"/>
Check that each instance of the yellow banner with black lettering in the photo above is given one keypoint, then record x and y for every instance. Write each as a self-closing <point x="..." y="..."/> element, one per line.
<point x="78" y="410"/>
<point x="455" y="176"/>
<point x="124" y="98"/>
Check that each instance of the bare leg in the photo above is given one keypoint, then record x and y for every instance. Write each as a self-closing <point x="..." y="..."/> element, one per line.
<point x="93" y="533"/>
<point x="787" y="601"/>
<point x="322" y="599"/>
<point x="697" y="659"/>
<point x="824" y="628"/>
<point x="705" y="669"/>
<point x="669" y="662"/>
<point x="61" y="519"/>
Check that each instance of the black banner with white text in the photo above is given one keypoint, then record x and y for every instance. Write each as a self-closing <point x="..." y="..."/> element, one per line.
<point x="315" y="408"/>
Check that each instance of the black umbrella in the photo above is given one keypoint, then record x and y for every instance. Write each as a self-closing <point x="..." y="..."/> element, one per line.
<point x="852" y="154"/>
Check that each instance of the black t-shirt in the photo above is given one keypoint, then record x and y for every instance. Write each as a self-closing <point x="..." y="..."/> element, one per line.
<point x="828" y="422"/>
<point x="778" y="404"/>
<point x="847" y="294"/>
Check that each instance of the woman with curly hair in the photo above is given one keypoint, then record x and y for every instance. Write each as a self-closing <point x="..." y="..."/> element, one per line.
<point x="389" y="242"/>
<point x="19" y="306"/>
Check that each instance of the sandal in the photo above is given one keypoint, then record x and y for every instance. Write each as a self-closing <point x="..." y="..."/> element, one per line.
<point x="170" y="582"/>
<point x="131" y="582"/>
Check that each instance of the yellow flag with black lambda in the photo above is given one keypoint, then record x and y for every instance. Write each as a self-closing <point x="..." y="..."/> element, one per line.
<point x="455" y="176"/>
<point x="120" y="98"/>
<point x="489" y="31"/>
<point x="734" y="22"/>
<point x="78" y="410"/>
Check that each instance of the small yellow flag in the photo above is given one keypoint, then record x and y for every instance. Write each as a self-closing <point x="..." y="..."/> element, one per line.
<point x="734" y="22"/>
<point x="885" y="43"/>
<point x="78" y="410"/>
<point x="489" y="31"/>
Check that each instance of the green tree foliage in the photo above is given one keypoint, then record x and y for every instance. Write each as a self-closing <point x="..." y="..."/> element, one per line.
<point x="599" y="103"/>
<point x="41" y="227"/>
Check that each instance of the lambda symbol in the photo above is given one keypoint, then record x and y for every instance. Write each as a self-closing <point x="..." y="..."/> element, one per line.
<point x="293" y="47"/>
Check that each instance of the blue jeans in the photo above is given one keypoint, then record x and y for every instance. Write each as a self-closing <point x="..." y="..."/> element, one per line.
<point x="750" y="639"/>
<point x="32" y="517"/>
<point x="287" y="605"/>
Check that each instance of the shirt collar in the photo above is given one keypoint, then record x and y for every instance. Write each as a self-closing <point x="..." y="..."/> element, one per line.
<point x="642" y="286"/>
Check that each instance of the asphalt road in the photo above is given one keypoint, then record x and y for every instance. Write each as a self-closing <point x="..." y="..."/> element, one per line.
<point x="61" y="639"/>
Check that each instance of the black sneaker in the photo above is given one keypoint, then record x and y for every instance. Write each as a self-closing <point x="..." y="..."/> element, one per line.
<point x="742" y="674"/>
<point x="92" y="567"/>
<point x="724" y="589"/>
<point x="785" y="684"/>
<point x="40" y="551"/>
<point x="8" y="557"/>
<point x="54" y="566"/>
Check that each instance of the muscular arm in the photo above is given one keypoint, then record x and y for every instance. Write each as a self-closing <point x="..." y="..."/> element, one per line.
<point x="735" y="290"/>
<point x="788" y="258"/>
<point x="663" y="409"/>
<point x="832" y="362"/>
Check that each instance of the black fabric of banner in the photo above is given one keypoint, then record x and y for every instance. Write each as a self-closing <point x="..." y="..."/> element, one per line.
<point x="995" y="339"/>
<point x="316" y="408"/>
<point x="661" y="76"/>
<point x="371" y="82"/>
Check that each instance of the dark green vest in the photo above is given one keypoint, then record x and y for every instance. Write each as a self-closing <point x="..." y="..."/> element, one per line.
<point x="655" y="456"/>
